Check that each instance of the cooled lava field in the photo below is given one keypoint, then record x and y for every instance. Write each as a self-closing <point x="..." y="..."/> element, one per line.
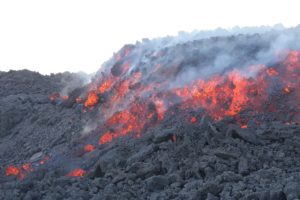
<point x="170" y="118"/>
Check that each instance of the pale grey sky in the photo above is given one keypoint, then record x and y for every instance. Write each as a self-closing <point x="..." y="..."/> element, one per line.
<point x="72" y="35"/>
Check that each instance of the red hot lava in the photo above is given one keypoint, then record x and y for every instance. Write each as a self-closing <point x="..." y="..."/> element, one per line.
<point x="106" y="137"/>
<point x="54" y="96"/>
<point x="65" y="97"/>
<point x="133" y="103"/>
<point x="89" y="148"/>
<point x="92" y="99"/>
<point x="77" y="173"/>
<point x="193" y="120"/>
<point x="133" y="100"/>
<point x="12" y="171"/>
<point x="19" y="172"/>
<point x="105" y="86"/>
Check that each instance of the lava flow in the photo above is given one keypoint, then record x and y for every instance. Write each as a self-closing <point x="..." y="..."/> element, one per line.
<point x="19" y="172"/>
<point x="89" y="148"/>
<point x="77" y="173"/>
<point x="135" y="99"/>
<point x="92" y="99"/>
<point x="156" y="113"/>
<point x="134" y="102"/>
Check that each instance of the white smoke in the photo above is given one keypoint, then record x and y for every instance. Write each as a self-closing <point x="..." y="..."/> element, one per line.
<point x="78" y="81"/>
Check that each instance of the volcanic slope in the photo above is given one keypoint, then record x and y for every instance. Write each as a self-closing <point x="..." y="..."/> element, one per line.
<point x="143" y="128"/>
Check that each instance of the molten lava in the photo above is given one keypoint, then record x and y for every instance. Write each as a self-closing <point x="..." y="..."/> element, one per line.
<point x="12" y="171"/>
<point x="19" y="172"/>
<point x="105" y="86"/>
<point x="27" y="167"/>
<point x="193" y="120"/>
<point x="77" y="173"/>
<point x="89" y="148"/>
<point x="106" y="137"/>
<point x="272" y="72"/>
<point x="136" y="99"/>
<point x="54" y="96"/>
<point x="92" y="99"/>
<point x="65" y="97"/>
<point x="244" y="126"/>
<point x="132" y="104"/>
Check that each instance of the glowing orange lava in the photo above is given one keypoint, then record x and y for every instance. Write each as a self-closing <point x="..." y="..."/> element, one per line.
<point x="105" y="138"/>
<point x="105" y="86"/>
<point x="92" y="99"/>
<point x="272" y="72"/>
<point x="244" y="126"/>
<point x="54" y="96"/>
<point x="193" y="120"/>
<point x="287" y="90"/>
<point x="220" y="95"/>
<point x="77" y="173"/>
<point x="27" y="167"/>
<point x="19" y="172"/>
<point x="134" y="101"/>
<point x="12" y="171"/>
<point x="89" y="148"/>
<point x="65" y="97"/>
